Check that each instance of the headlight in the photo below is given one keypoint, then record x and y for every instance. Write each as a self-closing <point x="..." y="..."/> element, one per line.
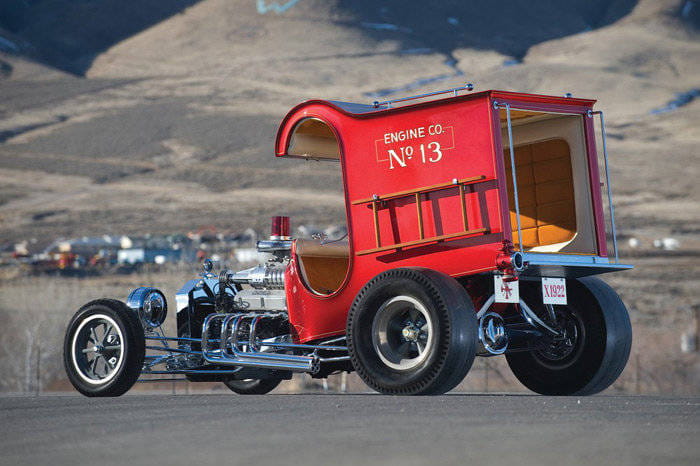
<point x="150" y="305"/>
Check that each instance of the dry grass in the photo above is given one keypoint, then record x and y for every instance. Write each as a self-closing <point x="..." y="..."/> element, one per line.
<point x="35" y="311"/>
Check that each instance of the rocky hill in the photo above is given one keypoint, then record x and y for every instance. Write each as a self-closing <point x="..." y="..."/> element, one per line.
<point x="120" y="116"/>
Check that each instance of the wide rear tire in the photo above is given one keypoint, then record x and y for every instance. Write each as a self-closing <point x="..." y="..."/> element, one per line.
<point x="412" y="331"/>
<point x="598" y="346"/>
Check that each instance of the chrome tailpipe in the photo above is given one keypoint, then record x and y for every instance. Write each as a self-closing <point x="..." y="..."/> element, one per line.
<point x="231" y="351"/>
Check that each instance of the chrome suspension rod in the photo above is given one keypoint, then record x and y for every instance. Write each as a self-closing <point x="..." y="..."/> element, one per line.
<point x="532" y="318"/>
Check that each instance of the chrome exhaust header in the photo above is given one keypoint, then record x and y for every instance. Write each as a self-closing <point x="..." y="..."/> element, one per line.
<point x="231" y="351"/>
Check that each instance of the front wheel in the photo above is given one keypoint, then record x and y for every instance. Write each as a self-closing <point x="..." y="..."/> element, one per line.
<point x="412" y="331"/>
<point x="592" y="350"/>
<point x="104" y="348"/>
<point x="252" y="386"/>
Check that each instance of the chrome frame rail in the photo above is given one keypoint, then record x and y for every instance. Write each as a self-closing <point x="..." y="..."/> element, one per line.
<point x="228" y="350"/>
<point x="176" y="339"/>
<point x="163" y="379"/>
<point x="309" y="347"/>
<point x="326" y="346"/>
<point x="153" y="360"/>
<point x="156" y="334"/>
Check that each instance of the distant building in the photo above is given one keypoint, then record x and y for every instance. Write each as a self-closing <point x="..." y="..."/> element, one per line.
<point x="148" y="256"/>
<point x="87" y="245"/>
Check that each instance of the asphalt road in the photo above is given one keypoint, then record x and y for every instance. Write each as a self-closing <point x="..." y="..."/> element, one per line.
<point x="349" y="430"/>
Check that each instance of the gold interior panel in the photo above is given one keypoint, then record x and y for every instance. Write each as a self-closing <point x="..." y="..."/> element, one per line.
<point x="545" y="193"/>
<point x="314" y="139"/>
<point x="323" y="267"/>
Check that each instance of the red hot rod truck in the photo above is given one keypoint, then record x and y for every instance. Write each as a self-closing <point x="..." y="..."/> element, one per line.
<point x="476" y="226"/>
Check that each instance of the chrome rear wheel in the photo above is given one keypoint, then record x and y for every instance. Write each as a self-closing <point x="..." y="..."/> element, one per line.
<point x="592" y="349"/>
<point x="402" y="333"/>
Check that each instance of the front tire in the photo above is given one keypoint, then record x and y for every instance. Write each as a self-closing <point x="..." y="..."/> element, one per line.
<point x="104" y="348"/>
<point x="252" y="386"/>
<point x="412" y="331"/>
<point x="593" y="352"/>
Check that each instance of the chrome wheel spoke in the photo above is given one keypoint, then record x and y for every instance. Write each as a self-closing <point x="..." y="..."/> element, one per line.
<point x="108" y="330"/>
<point x="562" y="349"/>
<point x="93" y="367"/>
<point x="402" y="332"/>
<point x="105" y="368"/>
<point x="395" y="326"/>
<point x="93" y="335"/>
<point x="403" y="348"/>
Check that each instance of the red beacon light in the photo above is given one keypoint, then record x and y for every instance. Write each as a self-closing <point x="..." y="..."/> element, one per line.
<point x="280" y="228"/>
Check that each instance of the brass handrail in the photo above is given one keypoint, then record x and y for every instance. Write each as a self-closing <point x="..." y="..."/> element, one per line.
<point x="434" y="239"/>
<point x="424" y="189"/>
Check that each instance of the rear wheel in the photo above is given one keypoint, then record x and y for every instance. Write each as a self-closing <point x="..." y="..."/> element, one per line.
<point x="104" y="348"/>
<point x="412" y="332"/>
<point x="592" y="350"/>
<point x="252" y="386"/>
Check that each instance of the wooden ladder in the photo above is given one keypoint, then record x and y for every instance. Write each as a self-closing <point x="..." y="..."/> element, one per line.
<point x="377" y="200"/>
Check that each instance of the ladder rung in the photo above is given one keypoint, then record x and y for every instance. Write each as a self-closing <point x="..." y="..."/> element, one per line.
<point x="423" y="190"/>
<point x="434" y="239"/>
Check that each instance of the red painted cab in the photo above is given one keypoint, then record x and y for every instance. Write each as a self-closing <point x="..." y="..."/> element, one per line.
<point x="429" y="184"/>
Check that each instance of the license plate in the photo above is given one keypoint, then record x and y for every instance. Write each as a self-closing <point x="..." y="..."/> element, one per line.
<point x="506" y="292"/>
<point x="554" y="291"/>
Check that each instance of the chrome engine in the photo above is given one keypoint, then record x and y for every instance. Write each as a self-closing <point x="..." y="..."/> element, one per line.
<point x="236" y="321"/>
<point x="261" y="300"/>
